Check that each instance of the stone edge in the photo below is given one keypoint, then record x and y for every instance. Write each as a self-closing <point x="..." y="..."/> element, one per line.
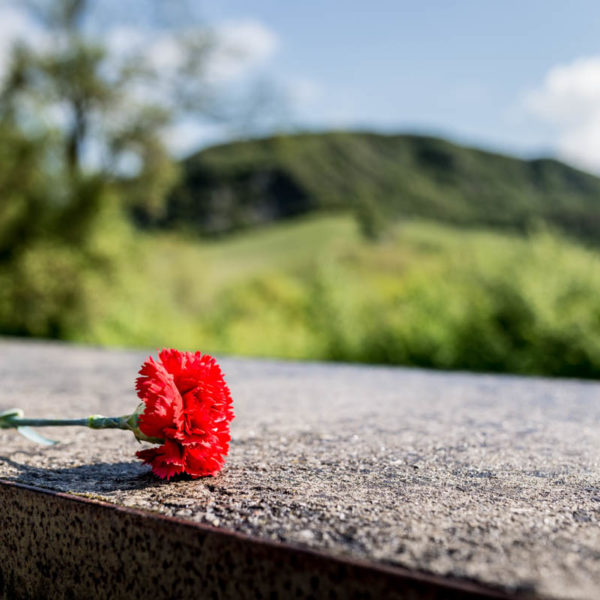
<point x="57" y="545"/>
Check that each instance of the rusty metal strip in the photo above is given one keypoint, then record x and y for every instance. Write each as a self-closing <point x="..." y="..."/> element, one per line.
<point x="54" y="545"/>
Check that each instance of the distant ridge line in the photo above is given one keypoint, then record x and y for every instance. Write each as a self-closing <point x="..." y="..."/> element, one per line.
<point x="246" y="183"/>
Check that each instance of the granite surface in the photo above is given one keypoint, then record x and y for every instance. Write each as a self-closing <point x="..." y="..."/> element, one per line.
<point x="488" y="478"/>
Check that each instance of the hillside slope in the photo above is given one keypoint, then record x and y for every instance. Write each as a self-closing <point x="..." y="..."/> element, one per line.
<point x="241" y="184"/>
<point x="428" y="295"/>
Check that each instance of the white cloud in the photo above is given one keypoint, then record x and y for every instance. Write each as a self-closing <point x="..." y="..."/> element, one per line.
<point x="569" y="100"/>
<point x="236" y="51"/>
<point x="241" y="47"/>
<point x="235" y="47"/>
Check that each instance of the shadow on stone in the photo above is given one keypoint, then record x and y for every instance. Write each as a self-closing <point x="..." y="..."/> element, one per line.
<point x="93" y="478"/>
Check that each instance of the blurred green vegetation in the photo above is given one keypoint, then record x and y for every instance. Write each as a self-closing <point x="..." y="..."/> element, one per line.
<point x="429" y="295"/>
<point x="73" y="116"/>
<point x="358" y="247"/>
<point x="380" y="178"/>
<point x="62" y="240"/>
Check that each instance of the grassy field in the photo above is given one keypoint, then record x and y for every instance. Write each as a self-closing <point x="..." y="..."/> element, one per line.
<point x="428" y="295"/>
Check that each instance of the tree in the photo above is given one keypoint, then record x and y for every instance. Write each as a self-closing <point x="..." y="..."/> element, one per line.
<point x="109" y="109"/>
<point x="369" y="215"/>
<point x="82" y="136"/>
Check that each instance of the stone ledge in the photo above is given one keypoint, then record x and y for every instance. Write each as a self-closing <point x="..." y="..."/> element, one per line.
<point x="477" y="478"/>
<point x="59" y="546"/>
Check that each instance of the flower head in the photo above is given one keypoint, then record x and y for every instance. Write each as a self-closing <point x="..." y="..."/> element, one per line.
<point x="188" y="405"/>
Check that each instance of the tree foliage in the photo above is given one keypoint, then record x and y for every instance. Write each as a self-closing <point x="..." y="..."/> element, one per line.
<point x="82" y="132"/>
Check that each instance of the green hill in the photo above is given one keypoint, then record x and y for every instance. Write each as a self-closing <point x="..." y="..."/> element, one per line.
<point x="385" y="177"/>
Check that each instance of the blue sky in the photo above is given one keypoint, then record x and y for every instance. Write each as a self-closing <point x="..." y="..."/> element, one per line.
<point x="464" y="68"/>
<point x="519" y="77"/>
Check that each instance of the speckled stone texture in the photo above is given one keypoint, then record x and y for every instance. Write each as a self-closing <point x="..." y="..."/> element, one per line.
<point x="488" y="478"/>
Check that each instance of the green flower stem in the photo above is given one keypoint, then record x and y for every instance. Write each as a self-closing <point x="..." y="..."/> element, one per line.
<point x="13" y="422"/>
<point x="13" y="419"/>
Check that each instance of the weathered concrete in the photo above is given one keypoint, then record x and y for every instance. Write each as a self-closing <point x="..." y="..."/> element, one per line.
<point x="493" y="479"/>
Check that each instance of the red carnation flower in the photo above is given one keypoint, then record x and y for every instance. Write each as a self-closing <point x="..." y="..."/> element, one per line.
<point x="186" y="408"/>
<point x="187" y="405"/>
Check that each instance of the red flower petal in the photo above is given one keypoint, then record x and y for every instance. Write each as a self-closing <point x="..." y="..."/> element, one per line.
<point x="200" y="461"/>
<point x="174" y="361"/>
<point x="188" y="404"/>
<point x="164" y="406"/>
<point x="166" y="460"/>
